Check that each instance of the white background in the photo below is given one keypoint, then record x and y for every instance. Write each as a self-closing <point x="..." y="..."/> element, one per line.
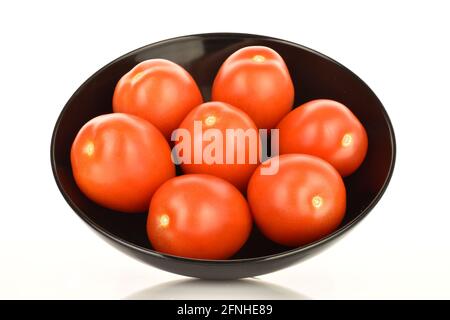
<point x="401" y="49"/>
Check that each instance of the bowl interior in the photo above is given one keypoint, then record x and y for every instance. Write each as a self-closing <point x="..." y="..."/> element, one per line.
<point x="314" y="75"/>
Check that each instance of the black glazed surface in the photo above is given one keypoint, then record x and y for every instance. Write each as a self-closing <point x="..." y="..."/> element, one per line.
<point x="314" y="75"/>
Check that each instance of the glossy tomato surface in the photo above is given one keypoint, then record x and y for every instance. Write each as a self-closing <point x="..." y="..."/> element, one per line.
<point x="119" y="160"/>
<point x="303" y="202"/>
<point x="198" y="216"/>
<point x="256" y="80"/>
<point x="228" y="141"/>
<point x="159" y="91"/>
<point x="326" y="129"/>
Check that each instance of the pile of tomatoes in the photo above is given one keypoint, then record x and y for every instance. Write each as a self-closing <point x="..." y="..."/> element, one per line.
<point x="125" y="160"/>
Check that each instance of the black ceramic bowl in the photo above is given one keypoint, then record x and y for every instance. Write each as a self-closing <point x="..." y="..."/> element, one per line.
<point x="314" y="75"/>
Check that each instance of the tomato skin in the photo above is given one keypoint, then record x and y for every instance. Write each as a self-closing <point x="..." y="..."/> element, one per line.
<point x="303" y="202"/>
<point x="320" y="128"/>
<point x="256" y="80"/>
<point x="119" y="160"/>
<point x="224" y="117"/>
<point x="159" y="91"/>
<point x="198" y="216"/>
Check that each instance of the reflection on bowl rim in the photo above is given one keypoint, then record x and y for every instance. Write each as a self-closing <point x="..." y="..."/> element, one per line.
<point x="283" y="254"/>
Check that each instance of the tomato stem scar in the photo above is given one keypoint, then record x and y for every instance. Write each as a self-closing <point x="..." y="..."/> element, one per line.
<point x="164" y="220"/>
<point x="258" y="58"/>
<point x="317" y="201"/>
<point x="89" y="148"/>
<point x="137" y="76"/>
<point x="210" y="120"/>
<point x="346" y="140"/>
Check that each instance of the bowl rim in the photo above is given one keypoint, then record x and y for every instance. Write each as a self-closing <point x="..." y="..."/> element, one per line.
<point x="285" y="254"/>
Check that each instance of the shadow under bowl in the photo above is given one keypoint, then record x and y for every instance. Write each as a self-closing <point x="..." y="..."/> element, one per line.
<point x="314" y="75"/>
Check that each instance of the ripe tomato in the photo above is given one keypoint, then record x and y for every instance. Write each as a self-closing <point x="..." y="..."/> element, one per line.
<point x="221" y="117"/>
<point x="198" y="216"/>
<point x="119" y="160"/>
<point x="256" y="80"/>
<point x="301" y="203"/>
<point x="326" y="129"/>
<point x="159" y="91"/>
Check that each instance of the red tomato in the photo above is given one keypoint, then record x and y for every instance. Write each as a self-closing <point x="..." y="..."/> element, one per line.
<point x="256" y="80"/>
<point x="159" y="91"/>
<point x="221" y="116"/>
<point x="326" y="129"/>
<point x="119" y="160"/>
<point x="301" y="203"/>
<point x="198" y="216"/>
